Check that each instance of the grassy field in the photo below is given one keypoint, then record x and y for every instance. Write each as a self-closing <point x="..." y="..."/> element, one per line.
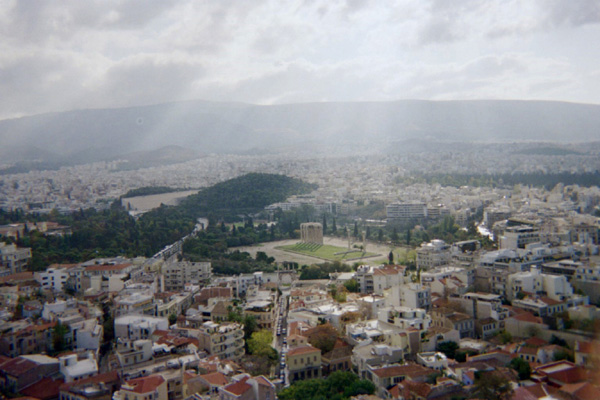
<point x="326" y="252"/>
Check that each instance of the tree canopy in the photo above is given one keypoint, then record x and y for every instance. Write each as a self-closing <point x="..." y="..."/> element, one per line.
<point x="339" y="385"/>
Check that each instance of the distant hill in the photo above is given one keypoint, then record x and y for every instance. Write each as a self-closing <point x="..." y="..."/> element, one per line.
<point x="248" y="193"/>
<point x="208" y="127"/>
<point x="30" y="159"/>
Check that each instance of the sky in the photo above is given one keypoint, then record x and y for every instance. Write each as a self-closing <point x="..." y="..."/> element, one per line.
<point x="64" y="55"/>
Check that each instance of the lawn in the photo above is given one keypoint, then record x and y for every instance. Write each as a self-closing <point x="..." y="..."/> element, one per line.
<point x="325" y="251"/>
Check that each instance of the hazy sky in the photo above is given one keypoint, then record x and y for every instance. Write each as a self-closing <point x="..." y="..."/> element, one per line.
<point x="61" y="55"/>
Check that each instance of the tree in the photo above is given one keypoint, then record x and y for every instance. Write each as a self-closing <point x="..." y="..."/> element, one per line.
<point x="334" y="227"/>
<point x="259" y="344"/>
<point x="324" y="224"/>
<point x="340" y="385"/>
<point x="172" y="319"/>
<point x="522" y="367"/>
<point x="250" y="326"/>
<point x="355" y="229"/>
<point x="505" y="337"/>
<point x="448" y="348"/>
<point x="380" y="235"/>
<point x="394" y="236"/>
<point x="368" y="233"/>
<point x="323" y="337"/>
<point x="391" y="258"/>
<point x="408" y="237"/>
<point x="491" y="385"/>
<point x="352" y="286"/>
<point x="58" y="337"/>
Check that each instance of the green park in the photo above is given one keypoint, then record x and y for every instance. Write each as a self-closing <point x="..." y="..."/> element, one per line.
<point x="327" y="252"/>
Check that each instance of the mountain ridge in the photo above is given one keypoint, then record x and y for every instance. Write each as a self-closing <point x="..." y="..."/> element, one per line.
<point x="233" y="127"/>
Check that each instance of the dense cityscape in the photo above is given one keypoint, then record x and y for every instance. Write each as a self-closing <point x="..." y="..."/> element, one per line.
<point x="386" y="284"/>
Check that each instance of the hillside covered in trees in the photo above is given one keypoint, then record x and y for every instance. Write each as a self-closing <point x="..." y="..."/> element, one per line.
<point x="246" y="194"/>
<point x="114" y="232"/>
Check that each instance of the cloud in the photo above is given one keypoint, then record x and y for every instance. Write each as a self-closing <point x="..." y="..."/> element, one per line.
<point x="69" y="54"/>
<point x="570" y="13"/>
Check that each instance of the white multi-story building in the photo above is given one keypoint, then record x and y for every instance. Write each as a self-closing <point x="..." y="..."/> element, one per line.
<point x="439" y="278"/>
<point x="135" y="304"/>
<point x="411" y="295"/>
<point x="377" y="279"/>
<point x="134" y="327"/>
<point x="88" y="334"/>
<point x="405" y="212"/>
<point x="14" y="258"/>
<point x="53" y="278"/>
<point x="74" y="369"/>
<point x="555" y="287"/>
<point x="517" y="237"/>
<point x="433" y="254"/>
<point x="224" y="340"/>
<point x="178" y="274"/>
<point x="405" y="317"/>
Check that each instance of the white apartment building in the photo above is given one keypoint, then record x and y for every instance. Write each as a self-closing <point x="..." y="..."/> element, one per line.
<point x="377" y="279"/>
<point x="14" y="258"/>
<point x="178" y="274"/>
<point x="224" y="340"/>
<point x="433" y="254"/>
<point x="411" y="295"/>
<point x="134" y="327"/>
<point x="555" y="287"/>
<point x="405" y="212"/>
<point x="517" y="237"/>
<point x="405" y="317"/>
<point x="87" y="334"/>
<point x="436" y="279"/>
<point x="52" y="278"/>
<point x="131" y="352"/>
<point x="74" y="369"/>
<point x="139" y="303"/>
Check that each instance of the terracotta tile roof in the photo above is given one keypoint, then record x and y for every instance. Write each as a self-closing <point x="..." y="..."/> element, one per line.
<point x="528" y="350"/>
<point x="581" y="391"/>
<point x="394" y="391"/>
<point x="145" y="384"/>
<point x="66" y="266"/>
<point x="238" y="388"/>
<point x="107" y="267"/>
<point x="421" y="389"/>
<point x="587" y="347"/>
<point x="215" y="379"/>
<point x="535" y="342"/>
<point x="528" y="317"/>
<point x="572" y="375"/>
<point x="401" y="370"/>
<point x="263" y="381"/>
<point x="17" y="366"/>
<point x="457" y="317"/>
<point x="109" y="378"/>
<point x="302" y="350"/>
<point x="549" y="301"/>
<point x="521" y="393"/>
<point x="540" y="390"/>
<point x="45" y="389"/>
<point x="20" y="276"/>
